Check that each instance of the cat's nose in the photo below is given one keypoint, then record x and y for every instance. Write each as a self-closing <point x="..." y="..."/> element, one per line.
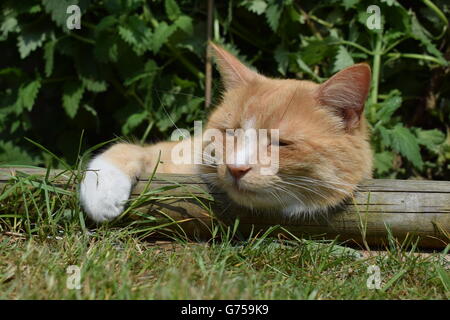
<point x="238" y="171"/>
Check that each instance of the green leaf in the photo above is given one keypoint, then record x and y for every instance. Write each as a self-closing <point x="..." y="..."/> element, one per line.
<point x="93" y="84"/>
<point x="282" y="58"/>
<point x="418" y="32"/>
<point x="29" y="41"/>
<point x="406" y="144"/>
<point x="385" y="136"/>
<point x="348" y="4"/>
<point x="58" y="9"/>
<point x="389" y="106"/>
<point x="27" y="95"/>
<point x="342" y="60"/>
<point x="133" y="121"/>
<point x="172" y="9"/>
<point x="185" y="23"/>
<point x="273" y="14"/>
<point x="49" y="52"/>
<point x="9" y="25"/>
<point x="12" y="154"/>
<point x="431" y="139"/>
<point x="161" y="35"/>
<point x="136" y="33"/>
<point x="149" y="72"/>
<point x="383" y="161"/>
<point x="72" y="94"/>
<point x="88" y="70"/>
<point x="316" y="51"/>
<point x="256" y="6"/>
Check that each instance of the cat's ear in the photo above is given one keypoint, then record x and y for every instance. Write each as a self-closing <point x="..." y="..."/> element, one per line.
<point x="346" y="92"/>
<point x="234" y="73"/>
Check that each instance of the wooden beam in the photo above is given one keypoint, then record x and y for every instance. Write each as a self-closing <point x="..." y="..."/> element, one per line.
<point x="408" y="208"/>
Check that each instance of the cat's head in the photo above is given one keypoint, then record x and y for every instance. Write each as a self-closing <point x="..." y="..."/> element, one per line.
<point x="323" y="149"/>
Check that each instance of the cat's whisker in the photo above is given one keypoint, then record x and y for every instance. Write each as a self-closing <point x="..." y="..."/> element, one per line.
<point x="339" y="187"/>
<point x="290" y="193"/>
<point x="277" y="197"/>
<point x="309" y="179"/>
<point x="306" y="188"/>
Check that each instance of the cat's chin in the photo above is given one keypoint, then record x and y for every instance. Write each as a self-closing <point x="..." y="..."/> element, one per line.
<point x="253" y="199"/>
<point x="264" y="201"/>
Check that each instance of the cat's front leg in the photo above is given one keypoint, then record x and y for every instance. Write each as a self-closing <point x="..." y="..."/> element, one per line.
<point x="108" y="180"/>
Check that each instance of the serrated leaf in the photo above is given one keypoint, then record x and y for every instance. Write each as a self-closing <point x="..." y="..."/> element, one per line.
<point x="9" y="25"/>
<point x="316" y="51"/>
<point x="89" y="71"/>
<point x="136" y="33"/>
<point x="257" y="6"/>
<point x="185" y="23"/>
<point x="49" y="51"/>
<point x="404" y="142"/>
<point x="57" y="10"/>
<point x="27" y="95"/>
<point x="385" y="136"/>
<point x="342" y="60"/>
<point x="388" y="107"/>
<point x="148" y="72"/>
<point x="348" y="4"/>
<point x="172" y="9"/>
<point x="282" y="59"/>
<point x="94" y="85"/>
<point x="431" y="139"/>
<point x="417" y="32"/>
<point x="161" y="35"/>
<point x="273" y="14"/>
<point x="12" y="154"/>
<point x="72" y="95"/>
<point x="133" y="121"/>
<point x="383" y="162"/>
<point x="29" y="41"/>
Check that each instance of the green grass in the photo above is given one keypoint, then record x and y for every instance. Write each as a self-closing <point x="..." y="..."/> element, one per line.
<point x="115" y="265"/>
<point x="43" y="231"/>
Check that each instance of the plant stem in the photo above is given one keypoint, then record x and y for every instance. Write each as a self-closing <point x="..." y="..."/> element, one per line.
<point x="147" y="131"/>
<point x="83" y="39"/>
<point x="352" y="44"/>
<point x="208" y="63"/>
<point x="436" y="10"/>
<point x="415" y="56"/>
<point x="376" y="74"/>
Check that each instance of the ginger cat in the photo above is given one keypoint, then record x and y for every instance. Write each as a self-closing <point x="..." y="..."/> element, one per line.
<point x="323" y="149"/>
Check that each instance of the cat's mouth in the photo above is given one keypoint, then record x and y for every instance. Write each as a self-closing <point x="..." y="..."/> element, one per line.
<point x="247" y="193"/>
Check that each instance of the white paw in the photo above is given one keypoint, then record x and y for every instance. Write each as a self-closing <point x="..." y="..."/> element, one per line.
<point x="104" y="190"/>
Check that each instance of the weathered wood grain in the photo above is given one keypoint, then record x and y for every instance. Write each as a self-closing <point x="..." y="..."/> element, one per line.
<point x="408" y="208"/>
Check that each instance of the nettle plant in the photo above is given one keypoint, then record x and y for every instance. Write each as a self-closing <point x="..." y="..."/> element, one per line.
<point x="136" y="67"/>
